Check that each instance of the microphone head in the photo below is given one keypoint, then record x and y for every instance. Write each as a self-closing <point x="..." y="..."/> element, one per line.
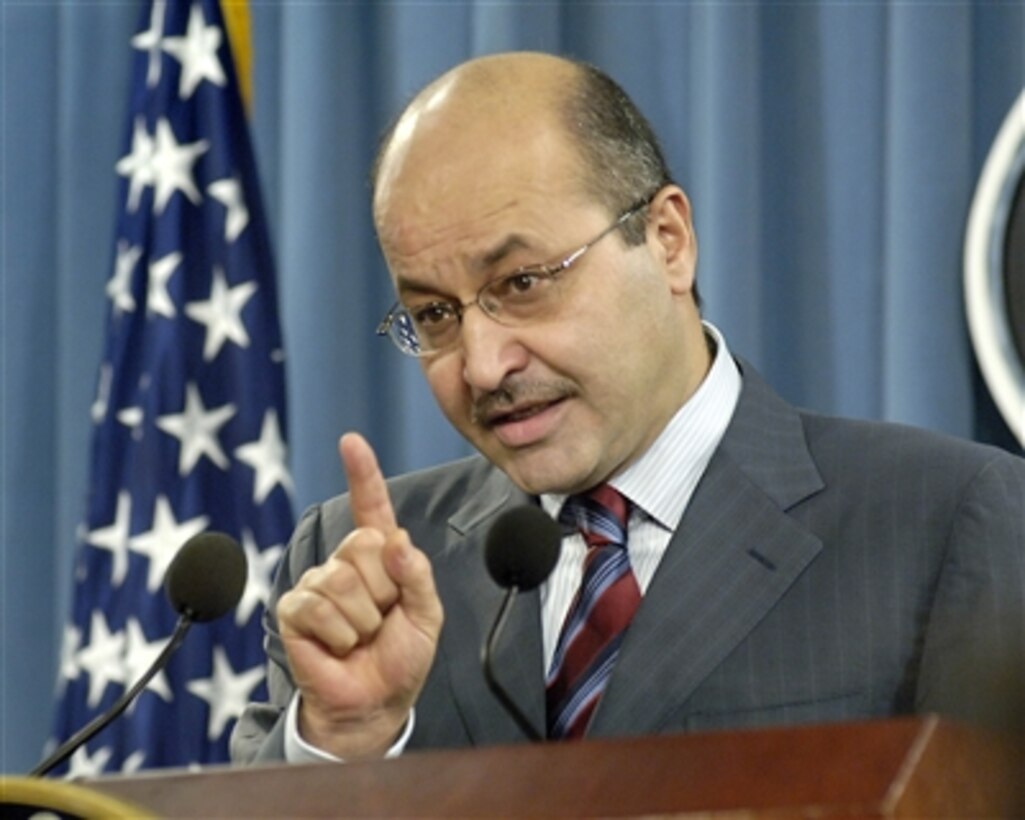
<point x="207" y="576"/>
<point x="522" y="547"/>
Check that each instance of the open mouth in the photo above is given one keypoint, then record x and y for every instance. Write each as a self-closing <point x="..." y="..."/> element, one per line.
<point x="528" y="424"/>
<point x="520" y="413"/>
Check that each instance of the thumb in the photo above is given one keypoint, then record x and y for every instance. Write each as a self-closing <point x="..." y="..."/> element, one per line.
<point x="411" y="571"/>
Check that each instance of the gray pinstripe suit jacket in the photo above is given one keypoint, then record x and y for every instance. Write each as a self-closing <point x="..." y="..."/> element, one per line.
<point x="826" y="569"/>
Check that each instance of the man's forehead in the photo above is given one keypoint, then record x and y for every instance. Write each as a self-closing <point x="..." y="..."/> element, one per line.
<point x="476" y="244"/>
<point x="440" y="187"/>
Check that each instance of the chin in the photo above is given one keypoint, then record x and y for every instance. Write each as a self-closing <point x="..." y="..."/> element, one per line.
<point x="549" y="472"/>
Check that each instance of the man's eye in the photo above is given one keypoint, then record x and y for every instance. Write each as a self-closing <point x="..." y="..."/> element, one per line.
<point x="519" y="284"/>
<point x="522" y="282"/>
<point x="432" y="315"/>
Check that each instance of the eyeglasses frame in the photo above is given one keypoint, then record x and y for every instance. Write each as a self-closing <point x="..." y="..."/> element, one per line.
<point x="550" y="271"/>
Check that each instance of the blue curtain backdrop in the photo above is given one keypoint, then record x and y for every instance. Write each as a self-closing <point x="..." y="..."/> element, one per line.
<point x="830" y="151"/>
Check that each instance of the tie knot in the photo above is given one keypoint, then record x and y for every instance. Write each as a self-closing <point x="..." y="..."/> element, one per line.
<point x="600" y="514"/>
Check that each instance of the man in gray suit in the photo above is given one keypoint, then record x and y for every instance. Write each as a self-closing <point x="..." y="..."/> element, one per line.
<point x="792" y="567"/>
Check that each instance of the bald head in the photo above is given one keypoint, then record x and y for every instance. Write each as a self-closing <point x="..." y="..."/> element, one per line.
<point x="523" y="81"/>
<point x="472" y="107"/>
<point x="497" y="85"/>
<point x="494" y="103"/>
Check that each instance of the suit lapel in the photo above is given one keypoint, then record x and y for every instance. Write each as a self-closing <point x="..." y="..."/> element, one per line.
<point x="472" y="601"/>
<point x="734" y="555"/>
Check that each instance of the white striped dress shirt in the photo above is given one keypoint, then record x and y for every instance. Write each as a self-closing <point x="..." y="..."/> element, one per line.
<point x="659" y="485"/>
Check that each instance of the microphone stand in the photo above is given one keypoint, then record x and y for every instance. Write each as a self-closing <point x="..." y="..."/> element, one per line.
<point x="487" y="654"/>
<point x="86" y="733"/>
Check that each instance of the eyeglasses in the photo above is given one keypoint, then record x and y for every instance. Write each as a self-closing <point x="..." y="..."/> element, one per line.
<point x="528" y="294"/>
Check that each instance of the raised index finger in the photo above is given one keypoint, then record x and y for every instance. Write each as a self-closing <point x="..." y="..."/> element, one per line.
<point x="368" y="494"/>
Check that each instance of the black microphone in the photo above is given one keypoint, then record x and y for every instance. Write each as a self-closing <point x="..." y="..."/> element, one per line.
<point x="204" y="581"/>
<point x="520" y="551"/>
<point x="207" y="577"/>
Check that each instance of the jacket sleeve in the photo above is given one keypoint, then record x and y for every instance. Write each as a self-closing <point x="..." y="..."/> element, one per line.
<point x="259" y="734"/>
<point x="973" y="662"/>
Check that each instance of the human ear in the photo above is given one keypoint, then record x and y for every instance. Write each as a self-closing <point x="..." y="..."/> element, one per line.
<point x="671" y="230"/>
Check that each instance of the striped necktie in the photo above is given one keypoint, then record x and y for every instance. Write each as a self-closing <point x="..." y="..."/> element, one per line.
<point x="599" y="615"/>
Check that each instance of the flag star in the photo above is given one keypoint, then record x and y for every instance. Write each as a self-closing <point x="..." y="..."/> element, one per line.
<point x="69" y="667"/>
<point x="197" y="428"/>
<point x="172" y="166"/>
<point x="225" y="691"/>
<point x="161" y="542"/>
<point x="102" y="400"/>
<point x="197" y="53"/>
<point x="229" y="193"/>
<point x="133" y="762"/>
<point x="267" y="456"/>
<point x="149" y="41"/>
<point x="158" y="300"/>
<point x="114" y="537"/>
<point x="138" y="163"/>
<point x="139" y="656"/>
<point x="132" y="418"/>
<point x="101" y="658"/>
<point x="119" y="287"/>
<point x="82" y="764"/>
<point x="259" y="572"/>
<point x="222" y="314"/>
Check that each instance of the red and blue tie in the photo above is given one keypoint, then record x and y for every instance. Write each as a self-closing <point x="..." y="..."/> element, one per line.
<point x="599" y="615"/>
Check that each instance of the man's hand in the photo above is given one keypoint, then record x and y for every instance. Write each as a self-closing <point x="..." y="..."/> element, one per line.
<point x="361" y="630"/>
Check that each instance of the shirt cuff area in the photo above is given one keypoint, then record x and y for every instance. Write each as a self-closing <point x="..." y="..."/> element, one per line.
<point x="298" y="750"/>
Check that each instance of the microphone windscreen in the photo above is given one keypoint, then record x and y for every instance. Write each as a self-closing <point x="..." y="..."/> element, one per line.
<point x="522" y="547"/>
<point x="207" y="576"/>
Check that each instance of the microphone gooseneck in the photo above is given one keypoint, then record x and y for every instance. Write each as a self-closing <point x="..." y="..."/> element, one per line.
<point x="205" y="581"/>
<point x="521" y="550"/>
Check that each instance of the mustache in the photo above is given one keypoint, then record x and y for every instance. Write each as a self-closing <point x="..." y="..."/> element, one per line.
<point x="514" y="394"/>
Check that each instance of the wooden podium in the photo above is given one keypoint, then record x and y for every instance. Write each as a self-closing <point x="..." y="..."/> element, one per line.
<point x="908" y="767"/>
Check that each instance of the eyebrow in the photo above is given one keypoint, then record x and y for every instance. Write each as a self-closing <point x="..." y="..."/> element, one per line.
<point x="405" y="285"/>
<point x="513" y="243"/>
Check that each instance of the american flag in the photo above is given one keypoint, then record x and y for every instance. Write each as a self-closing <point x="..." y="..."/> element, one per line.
<point x="189" y="417"/>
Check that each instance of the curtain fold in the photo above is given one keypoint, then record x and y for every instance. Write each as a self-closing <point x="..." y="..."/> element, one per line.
<point x="830" y="151"/>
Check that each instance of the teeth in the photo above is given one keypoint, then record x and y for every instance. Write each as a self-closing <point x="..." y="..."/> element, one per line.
<point x="519" y="415"/>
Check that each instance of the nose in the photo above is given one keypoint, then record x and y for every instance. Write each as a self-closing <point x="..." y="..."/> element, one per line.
<point x="490" y="351"/>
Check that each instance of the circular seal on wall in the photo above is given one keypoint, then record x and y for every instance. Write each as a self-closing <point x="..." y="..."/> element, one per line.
<point x="994" y="270"/>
